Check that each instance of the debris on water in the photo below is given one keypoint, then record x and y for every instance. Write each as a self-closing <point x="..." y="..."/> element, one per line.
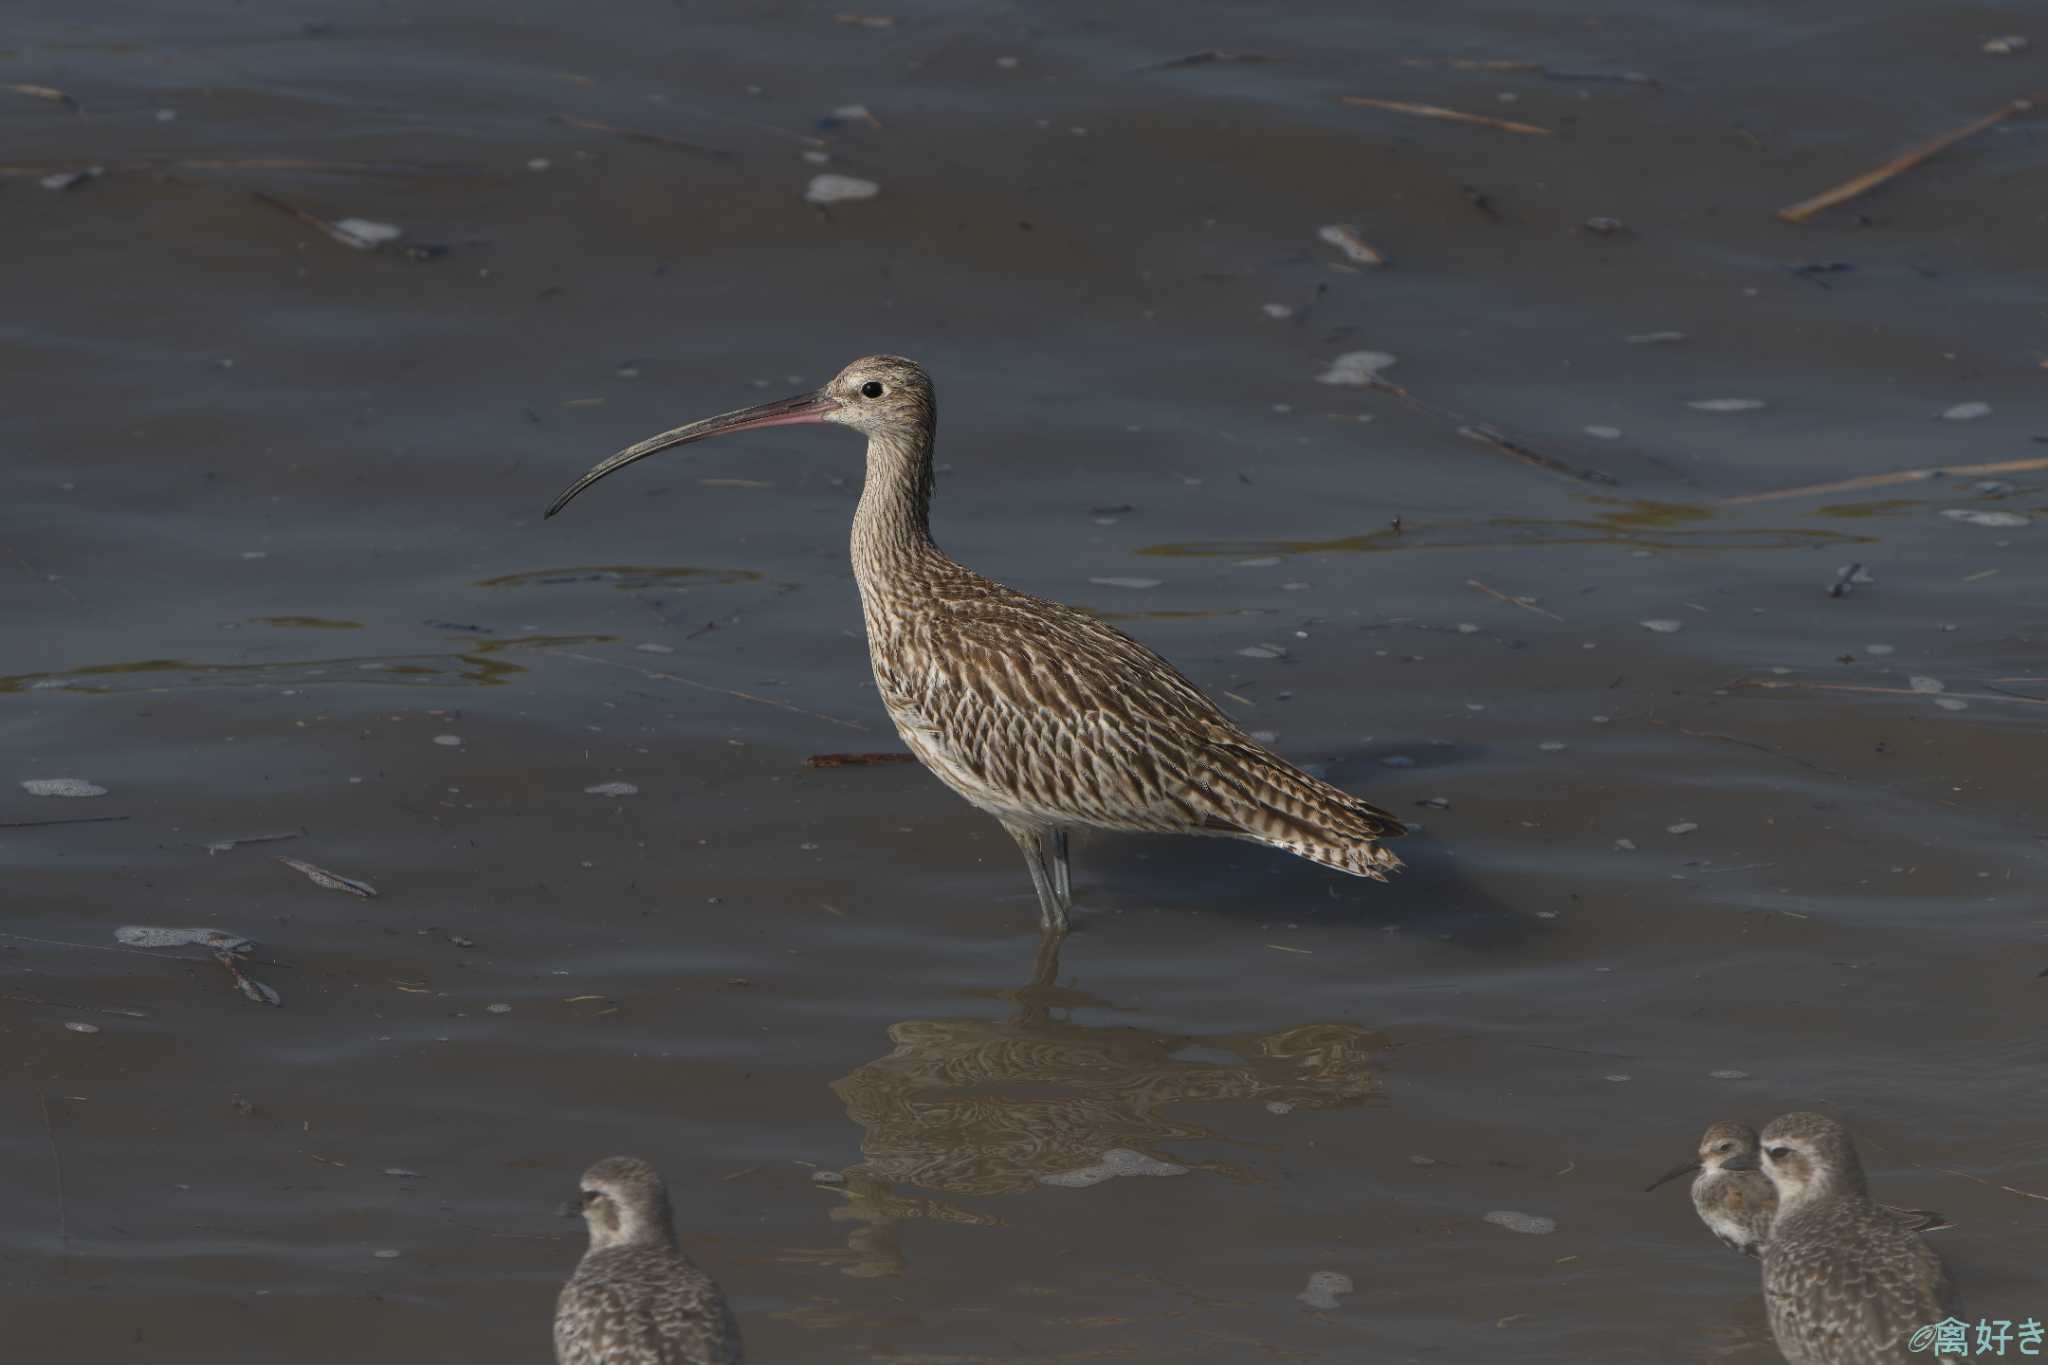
<point x="2002" y="46"/>
<point x="866" y="20"/>
<point x="1127" y="582"/>
<point x="62" y="786"/>
<point x="1624" y="845"/>
<point x="1551" y="746"/>
<point x="1663" y="625"/>
<point x="365" y="234"/>
<point x="71" y="180"/>
<point x="1279" y="1107"/>
<point x="1604" y="433"/>
<point x="387" y="1254"/>
<point x="1970" y="516"/>
<point x="1921" y="683"/>
<point x="448" y="741"/>
<point x="1728" y="1074"/>
<point x="1880" y="649"/>
<point x="56" y="96"/>
<point x="1605" y="227"/>
<point x="229" y="845"/>
<point x="1534" y="1225"/>
<point x="1655" y="338"/>
<point x="649" y="647"/>
<point x="636" y="135"/>
<point x="1965" y="412"/>
<point x="1847" y="577"/>
<point x="1617" y="1077"/>
<point x="1359" y="368"/>
<point x="1192" y="59"/>
<point x="822" y="1176"/>
<point x="1115" y="1162"/>
<point x="497" y="1009"/>
<point x="1276" y="311"/>
<point x="1346" y="239"/>
<point x="1397" y="761"/>
<point x="1952" y="703"/>
<point x="333" y="881"/>
<point x="850" y="113"/>
<point x="1437" y="111"/>
<point x="256" y="990"/>
<point x="1435" y="802"/>
<point x="612" y="789"/>
<point x="82" y="1028"/>
<point x="856" y="760"/>
<point x="1906" y="161"/>
<point x="401" y="1172"/>
<point x="1468" y="628"/>
<point x="836" y="189"/>
<point x="151" y="936"/>
<point x="1324" y="1289"/>
<point x="1682" y="827"/>
<point x="1725" y="404"/>
<point x="1264" y="651"/>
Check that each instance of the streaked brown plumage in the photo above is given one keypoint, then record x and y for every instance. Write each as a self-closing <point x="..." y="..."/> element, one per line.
<point x="1737" y="1201"/>
<point x="1041" y="715"/>
<point x="635" y="1299"/>
<point x="1845" y="1281"/>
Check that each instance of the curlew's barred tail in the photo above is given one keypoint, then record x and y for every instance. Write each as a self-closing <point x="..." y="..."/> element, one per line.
<point x="1261" y="796"/>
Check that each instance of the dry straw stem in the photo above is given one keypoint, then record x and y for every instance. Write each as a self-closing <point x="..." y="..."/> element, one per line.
<point x="1511" y="601"/>
<point x="1906" y="161"/>
<point x="1896" y="476"/>
<point x="1438" y="111"/>
<point x="635" y="135"/>
<point x="856" y="760"/>
<point x="1775" y="684"/>
<point x="44" y="92"/>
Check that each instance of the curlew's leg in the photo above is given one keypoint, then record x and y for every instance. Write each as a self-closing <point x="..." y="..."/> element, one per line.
<point x="1037" y="845"/>
<point x="1062" y="875"/>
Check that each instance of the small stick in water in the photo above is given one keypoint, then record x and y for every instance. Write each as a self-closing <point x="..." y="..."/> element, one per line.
<point x="1439" y="112"/>
<point x="855" y="760"/>
<point x="1869" y="180"/>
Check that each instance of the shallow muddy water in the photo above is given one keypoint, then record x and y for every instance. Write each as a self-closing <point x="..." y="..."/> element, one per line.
<point x="275" y="565"/>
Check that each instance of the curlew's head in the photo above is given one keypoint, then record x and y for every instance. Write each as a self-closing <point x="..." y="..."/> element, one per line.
<point x="1725" y="1146"/>
<point x="624" y="1203"/>
<point x="881" y="396"/>
<point x="1810" y="1155"/>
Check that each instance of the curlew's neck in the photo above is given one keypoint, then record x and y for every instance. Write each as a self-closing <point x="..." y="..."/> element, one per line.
<point x="892" y="534"/>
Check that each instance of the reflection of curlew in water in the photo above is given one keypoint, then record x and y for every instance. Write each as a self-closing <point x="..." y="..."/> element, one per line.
<point x="976" y="1106"/>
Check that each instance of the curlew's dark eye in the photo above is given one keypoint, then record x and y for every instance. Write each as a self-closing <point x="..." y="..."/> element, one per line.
<point x="1778" y="1153"/>
<point x="871" y="389"/>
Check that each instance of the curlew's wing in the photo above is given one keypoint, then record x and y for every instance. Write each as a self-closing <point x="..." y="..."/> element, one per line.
<point x="1856" y="1296"/>
<point x="1026" y="704"/>
<point x="665" y="1312"/>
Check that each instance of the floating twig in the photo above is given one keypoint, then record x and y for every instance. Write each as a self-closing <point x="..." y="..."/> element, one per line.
<point x="1472" y="63"/>
<point x="45" y="92"/>
<point x="69" y="820"/>
<point x="1774" y="684"/>
<point x="1895" y="477"/>
<point x="351" y="232"/>
<point x="229" y="845"/>
<point x="1514" y="449"/>
<point x="856" y="760"/>
<point x="1210" y="57"/>
<point x="707" y="687"/>
<point x="246" y="984"/>
<point x="1511" y="601"/>
<point x="1845" y="580"/>
<point x="1752" y="744"/>
<point x="636" y="135"/>
<point x="1869" y="180"/>
<point x="1437" y="111"/>
<point x="333" y="881"/>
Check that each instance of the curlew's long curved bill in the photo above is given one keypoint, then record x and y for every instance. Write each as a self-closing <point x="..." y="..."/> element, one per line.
<point x="783" y="412"/>
<point x="1676" y="1171"/>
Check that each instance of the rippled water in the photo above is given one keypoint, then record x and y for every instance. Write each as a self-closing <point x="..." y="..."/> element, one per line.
<point x="275" y="566"/>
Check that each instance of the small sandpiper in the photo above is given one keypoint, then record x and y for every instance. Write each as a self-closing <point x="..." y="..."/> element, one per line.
<point x="1738" y="1203"/>
<point x="1846" y="1282"/>
<point x="635" y="1299"/>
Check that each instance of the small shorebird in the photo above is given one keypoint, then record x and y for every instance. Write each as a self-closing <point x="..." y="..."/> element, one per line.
<point x="1737" y="1203"/>
<point x="635" y="1299"/>
<point x="1845" y="1281"/>
<point x="1039" y="714"/>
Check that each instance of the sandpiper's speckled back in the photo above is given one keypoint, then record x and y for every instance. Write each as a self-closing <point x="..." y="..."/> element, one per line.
<point x="639" y="1301"/>
<point x="1846" y="1282"/>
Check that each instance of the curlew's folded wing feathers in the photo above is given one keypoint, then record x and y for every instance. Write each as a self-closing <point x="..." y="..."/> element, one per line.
<point x="1080" y="722"/>
<point x="1854" y="1298"/>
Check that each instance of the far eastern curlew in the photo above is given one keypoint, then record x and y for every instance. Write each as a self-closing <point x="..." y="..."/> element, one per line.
<point x="1039" y="714"/>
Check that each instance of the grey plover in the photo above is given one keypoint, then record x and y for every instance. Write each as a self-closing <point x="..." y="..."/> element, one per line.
<point x="635" y="1299"/>
<point x="1737" y="1205"/>
<point x="1845" y="1281"/>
